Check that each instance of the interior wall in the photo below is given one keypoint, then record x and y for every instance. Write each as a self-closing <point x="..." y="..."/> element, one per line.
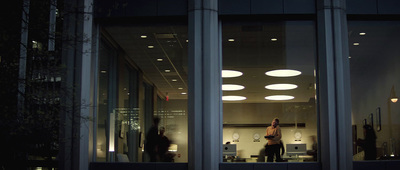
<point x="175" y="121"/>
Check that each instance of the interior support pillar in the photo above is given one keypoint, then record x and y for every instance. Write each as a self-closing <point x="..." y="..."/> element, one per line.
<point x="204" y="103"/>
<point x="334" y="77"/>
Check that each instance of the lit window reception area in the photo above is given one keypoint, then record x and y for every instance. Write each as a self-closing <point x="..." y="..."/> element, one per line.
<point x="268" y="73"/>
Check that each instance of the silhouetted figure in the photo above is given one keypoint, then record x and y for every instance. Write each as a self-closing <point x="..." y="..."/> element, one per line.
<point x="273" y="136"/>
<point x="163" y="146"/>
<point x="152" y="139"/>
<point x="368" y="143"/>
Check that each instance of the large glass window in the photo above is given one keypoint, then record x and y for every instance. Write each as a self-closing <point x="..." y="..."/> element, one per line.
<point x="151" y="82"/>
<point x="374" y="60"/>
<point x="268" y="73"/>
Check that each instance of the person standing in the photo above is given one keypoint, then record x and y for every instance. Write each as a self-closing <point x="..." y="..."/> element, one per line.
<point x="368" y="143"/>
<point x="163" y="147"/>
<point x="273" y="135"/>
<point x="152" y="141"/>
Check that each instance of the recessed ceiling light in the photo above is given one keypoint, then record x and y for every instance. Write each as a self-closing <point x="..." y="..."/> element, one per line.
<point x="167" y="71"/>
<point x="231" y="73"/>
<point x="103" y="71"/>
<point x="232" y="87"/>
<point x="187" y="40"/>
<point x="231" y="39"/>
<point x="362" y="33"/>
<point x="143" y="36"/>
<point x="150" y="46"/>
<point x="180" y="88"/>
<point x="356" y="44"/>
<point x="183" y="93"/>
<point x="233" y="98"/>
<point x="159" y="59"/>
<point x="281" y="86"/>
<point x="274" y="39"/>
<point x="279" y="97"/>
<point x="349" y="56"/>
<point x="174" y="80"/>
<point x="283" y="73"/>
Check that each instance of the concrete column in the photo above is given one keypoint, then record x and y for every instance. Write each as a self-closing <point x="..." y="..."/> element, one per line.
<point x="205" y="116"/>
<point x="77" y="56"/>
<point x="334" y="93"/>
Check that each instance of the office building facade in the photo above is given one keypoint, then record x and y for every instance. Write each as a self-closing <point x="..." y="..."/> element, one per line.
<point x="130" y="61"/>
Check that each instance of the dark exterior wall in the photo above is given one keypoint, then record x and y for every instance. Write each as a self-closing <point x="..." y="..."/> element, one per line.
<point x="133" y="8"/>
<point x="373" y="6"/>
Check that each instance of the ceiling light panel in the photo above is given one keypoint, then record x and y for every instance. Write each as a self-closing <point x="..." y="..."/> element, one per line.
<point x="231" y="87"/>
<point x="281" y="86"/>
<point x="231" y="73"/>
<point x="233" y="98"/>
<point x="279" y="97"/>
<point x="283" y="73"/>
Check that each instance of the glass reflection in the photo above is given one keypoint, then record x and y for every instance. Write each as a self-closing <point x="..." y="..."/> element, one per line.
<point x="374" y="59"/>
<point x="258" y="49"/>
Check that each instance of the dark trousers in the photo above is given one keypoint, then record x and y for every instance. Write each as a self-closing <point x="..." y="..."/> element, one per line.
<point x="271" y="151"/>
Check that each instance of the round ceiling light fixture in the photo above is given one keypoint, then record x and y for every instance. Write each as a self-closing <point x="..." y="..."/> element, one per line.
<point x="231" y="73"/>
<point x="279" y="97"/>
<point x="281" y="86"/>
<point x="233" y="98"/>
<point x="231" y="87"/>
<point x="283" y="73"/>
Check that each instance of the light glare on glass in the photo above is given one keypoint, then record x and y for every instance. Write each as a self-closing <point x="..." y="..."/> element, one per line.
<point x="281" y="86"/>
<point x="279" y="97"/>
<point x="283" y="73"/>
<point x="233" y="98"/>
<point x="231" y="73"/>
<point x="232" y="87"/>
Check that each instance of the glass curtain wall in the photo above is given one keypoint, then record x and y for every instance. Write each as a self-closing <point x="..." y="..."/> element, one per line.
<point x="151" y="73"/>
<point x="374" y="60"/>
<point x="269" y="72"/>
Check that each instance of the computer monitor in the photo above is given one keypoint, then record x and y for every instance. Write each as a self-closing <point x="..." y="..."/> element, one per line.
<point x="229" y="150"/>
<point x="296" y="149"/>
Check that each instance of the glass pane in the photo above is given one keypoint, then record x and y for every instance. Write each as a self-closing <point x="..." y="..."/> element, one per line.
<point x="106" y="54"/>
<point x="374" y="60"/>
<point x="275" y="62"/>
<point x="152" y="82"/>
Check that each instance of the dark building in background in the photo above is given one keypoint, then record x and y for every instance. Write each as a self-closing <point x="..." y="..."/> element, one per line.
<point x="31" y="73"/>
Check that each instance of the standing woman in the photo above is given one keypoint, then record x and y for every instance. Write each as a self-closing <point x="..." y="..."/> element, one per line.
<point x="273" y="136"/>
